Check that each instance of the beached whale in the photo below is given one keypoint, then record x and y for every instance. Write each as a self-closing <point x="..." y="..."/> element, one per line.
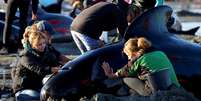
<point x="85" y="70"/>
<point x="60" y="23"/>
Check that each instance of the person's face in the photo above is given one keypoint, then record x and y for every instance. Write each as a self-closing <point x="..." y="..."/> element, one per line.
<point x="40" y="45"/>
<point x="129" y="54"/>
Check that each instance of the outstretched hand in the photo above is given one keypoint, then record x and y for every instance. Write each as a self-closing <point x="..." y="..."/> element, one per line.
<point x="55" y="70"/>
<point x="108" y="70"/>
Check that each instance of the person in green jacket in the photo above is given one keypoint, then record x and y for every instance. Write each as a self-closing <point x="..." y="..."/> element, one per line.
<point x="147" y="71"/>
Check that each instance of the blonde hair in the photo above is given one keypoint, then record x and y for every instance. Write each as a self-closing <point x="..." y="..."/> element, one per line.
<point x="41" y="27"/>
<point x="33" y="29"/>
<point x="26" y="32"/>
<point x="35" y="37"/>
<point x="137" y="45"/>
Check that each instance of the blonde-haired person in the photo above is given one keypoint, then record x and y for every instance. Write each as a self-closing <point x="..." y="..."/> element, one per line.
<point x="36" y="61"/>
<point x="147" y="71"/>
<point x="48" y="30"/>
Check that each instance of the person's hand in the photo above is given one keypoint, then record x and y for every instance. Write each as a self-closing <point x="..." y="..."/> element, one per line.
<point x="63" y="59"/>
<point x="101" y="43"/>
<point x="108" y="71"/>
<point x="106" y="68"/>
<point x="55" y="69"/>
<point x="34" y="17"/>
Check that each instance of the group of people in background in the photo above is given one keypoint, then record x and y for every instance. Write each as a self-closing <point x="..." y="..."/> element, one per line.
<point x="39" y="58"/>
<point x="88" y="26"/>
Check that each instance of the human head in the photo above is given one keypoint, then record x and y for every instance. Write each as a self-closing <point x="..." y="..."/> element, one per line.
<point x="37" y="40"/>
<point x="136" y="46"/>
<point x="139" y="6"/>
<point x="27" y="31"/>
<point x="46" y="28"/>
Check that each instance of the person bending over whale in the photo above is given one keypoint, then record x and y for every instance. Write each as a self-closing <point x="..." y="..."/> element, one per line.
<point x="147" y="71"/>
<point x="88" y="26"/>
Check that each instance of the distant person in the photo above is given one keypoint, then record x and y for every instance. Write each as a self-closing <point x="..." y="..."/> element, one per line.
<point x="11" y="9"/>
<point x="88" y="26"/>
<point x="77" y="8"/>
<point x="147" y="71"/>
<point x="48" y="30"/>
<point x="36" y="61"/>
<point x="173" y="24"/>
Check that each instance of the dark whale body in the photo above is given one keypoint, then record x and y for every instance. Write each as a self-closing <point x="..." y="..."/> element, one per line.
<point x="86" y="69"/>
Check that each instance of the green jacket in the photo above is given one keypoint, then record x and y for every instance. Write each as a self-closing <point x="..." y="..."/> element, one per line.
<point x="153" y="62"/>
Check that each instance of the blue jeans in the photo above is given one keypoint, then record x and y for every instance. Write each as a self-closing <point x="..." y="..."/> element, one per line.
<point x="27" y="95"/>
<point x="83" y="42"/>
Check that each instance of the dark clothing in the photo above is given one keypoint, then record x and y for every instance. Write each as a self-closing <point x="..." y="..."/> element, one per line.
<point x="12" y="6"/>
<point x="34" y="6"/>
<point x="54" y="8"/>
<point x="102" y="16"/>
<point x="32" y="68"/>
<point x="150" y="83"/>
<point x="138" y="86"/>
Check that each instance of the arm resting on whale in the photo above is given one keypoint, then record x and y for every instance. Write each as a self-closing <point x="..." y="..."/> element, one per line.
<point x="108" y="70"/>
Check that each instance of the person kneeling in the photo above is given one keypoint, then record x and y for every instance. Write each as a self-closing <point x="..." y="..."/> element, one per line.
<point x="147" y="71"/>
<point x="36" y="61"/>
